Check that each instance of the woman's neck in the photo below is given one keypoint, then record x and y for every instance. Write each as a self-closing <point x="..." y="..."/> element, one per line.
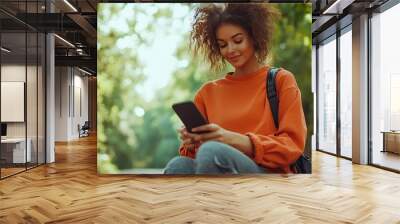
<point x="250" y="67"/>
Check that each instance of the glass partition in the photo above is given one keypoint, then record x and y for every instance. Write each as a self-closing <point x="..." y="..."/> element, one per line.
<point x="31" y="97"/>
<point x="41" y="109"/>
<point x="14" y="153"/>
<point x="22" y="77"/>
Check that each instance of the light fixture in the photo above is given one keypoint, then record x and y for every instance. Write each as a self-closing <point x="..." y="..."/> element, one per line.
<point x="70" y="5"/>
<point x="5" y="50"/>
<point x="64" y="40"/>
<point x="80" y="51"/>
<point x="337" y="7"/>
<point x="84" y="71"/>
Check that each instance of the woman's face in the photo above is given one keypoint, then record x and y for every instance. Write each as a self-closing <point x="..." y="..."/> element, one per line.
<point x="234" y="44"/>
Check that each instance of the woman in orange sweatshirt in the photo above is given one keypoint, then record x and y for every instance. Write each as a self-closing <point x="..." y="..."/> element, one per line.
<point x="241" y="136"/>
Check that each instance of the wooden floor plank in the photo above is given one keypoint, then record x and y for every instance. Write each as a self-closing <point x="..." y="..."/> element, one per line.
<point x="70" y="191"/>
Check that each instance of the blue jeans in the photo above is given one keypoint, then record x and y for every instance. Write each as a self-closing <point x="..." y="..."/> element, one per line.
<point x="214" y="158"/>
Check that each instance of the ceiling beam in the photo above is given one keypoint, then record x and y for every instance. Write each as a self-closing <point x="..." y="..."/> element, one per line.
<point x="86" y="26"/>
<point x="82" y="61"/>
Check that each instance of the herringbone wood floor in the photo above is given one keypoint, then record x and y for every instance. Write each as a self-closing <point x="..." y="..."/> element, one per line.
<point x="70" y="191"/>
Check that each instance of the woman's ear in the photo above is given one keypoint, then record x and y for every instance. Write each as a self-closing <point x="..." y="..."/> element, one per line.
<point x="256" y="53"/>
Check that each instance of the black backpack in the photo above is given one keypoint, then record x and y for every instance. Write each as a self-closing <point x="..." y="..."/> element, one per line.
<point x="303" y="163"/>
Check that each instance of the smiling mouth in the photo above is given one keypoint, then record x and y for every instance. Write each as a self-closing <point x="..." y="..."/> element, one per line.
<point x="234" y="58"/>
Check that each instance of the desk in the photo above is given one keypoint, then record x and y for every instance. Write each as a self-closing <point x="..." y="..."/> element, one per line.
<point x="15" y="148"/>
<point x="391" y="141"/>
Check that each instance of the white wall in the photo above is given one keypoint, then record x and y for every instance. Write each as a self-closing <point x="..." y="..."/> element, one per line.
<point x="62" y="81"/>
<point x="70" y="84"/>
<point x="80" y="100"/>
<point x="13" y="101"/>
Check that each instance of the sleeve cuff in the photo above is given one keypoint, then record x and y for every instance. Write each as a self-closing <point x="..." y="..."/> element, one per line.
<point x="188" y="150"/>
<point x="258" y="148"/>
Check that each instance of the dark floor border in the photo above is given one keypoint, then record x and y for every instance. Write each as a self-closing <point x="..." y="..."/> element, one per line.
<point x="22" y="171"/>
<point x="370" y="164"/>
<point x="333" y="154"/>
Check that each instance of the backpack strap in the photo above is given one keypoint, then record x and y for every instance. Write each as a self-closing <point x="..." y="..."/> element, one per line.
<point x="272" y="94"/>
<point x="303" y="163"/>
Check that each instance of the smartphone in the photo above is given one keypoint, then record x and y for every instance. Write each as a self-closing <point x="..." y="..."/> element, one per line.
<point x="189" y="115"/>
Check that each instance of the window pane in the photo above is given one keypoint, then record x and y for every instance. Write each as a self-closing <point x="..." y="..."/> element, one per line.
<point x="385" y="89"/>
<point x="346" y="93"/>
<point x="327" y="96"/>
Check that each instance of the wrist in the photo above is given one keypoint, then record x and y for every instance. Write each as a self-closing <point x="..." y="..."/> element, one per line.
<point x="242" y="143"/>
<point x="232" y="138"/>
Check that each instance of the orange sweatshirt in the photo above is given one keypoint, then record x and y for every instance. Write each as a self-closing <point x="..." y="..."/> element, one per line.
<point x="240" y="104"/>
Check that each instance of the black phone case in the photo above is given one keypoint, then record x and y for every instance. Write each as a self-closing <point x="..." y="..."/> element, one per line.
<point x="189" y="115"/>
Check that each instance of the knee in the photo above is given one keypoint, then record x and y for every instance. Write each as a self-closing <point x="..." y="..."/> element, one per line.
<point x="180" y="165"/>
<point x="212" y="158"/>
<point x="211" y="149"/>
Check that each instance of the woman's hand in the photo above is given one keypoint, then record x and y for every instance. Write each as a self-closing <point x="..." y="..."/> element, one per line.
<point x="217" y="133"/>
<point x="211" y="132"/>
<point x="183" y="135"/>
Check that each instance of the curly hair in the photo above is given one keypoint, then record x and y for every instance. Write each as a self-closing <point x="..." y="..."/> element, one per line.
<point x="257" y="19"/>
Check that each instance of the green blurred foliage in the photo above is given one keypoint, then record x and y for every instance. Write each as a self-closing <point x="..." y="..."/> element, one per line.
<point x="292" y="50"/>
<point x="127" y="141"/>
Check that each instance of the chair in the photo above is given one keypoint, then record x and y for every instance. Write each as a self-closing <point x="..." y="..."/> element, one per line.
<point x="84" y="130"/>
